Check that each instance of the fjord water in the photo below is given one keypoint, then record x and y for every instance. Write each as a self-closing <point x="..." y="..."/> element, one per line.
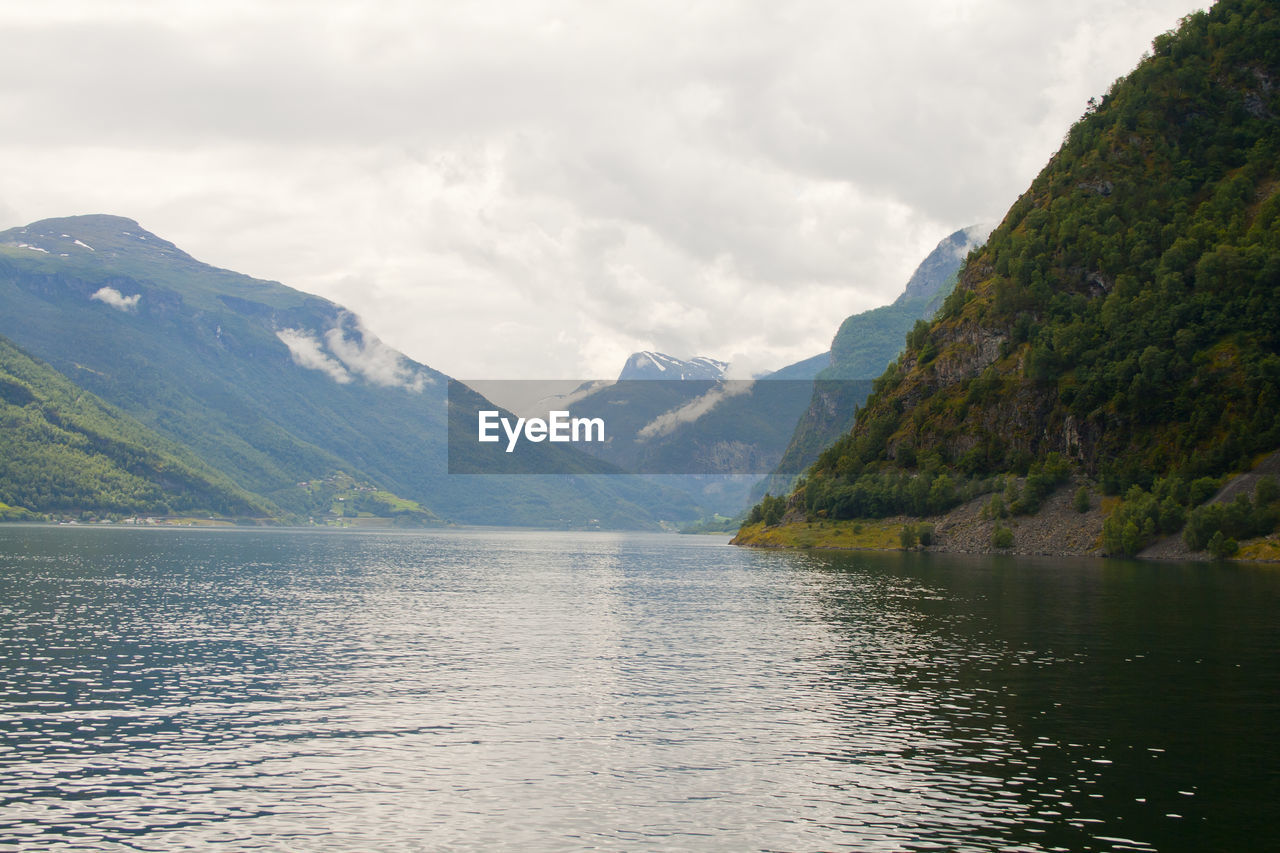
<point x="165" y="690"/>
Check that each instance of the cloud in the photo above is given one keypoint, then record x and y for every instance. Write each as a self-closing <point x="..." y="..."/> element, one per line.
<point x="353" y="352"/>
<point x="306" y="352"/>
<point x="694" y="409"/>
<point x="116" y="299"/>
<point x="365" y="355"/>
<point x="540" y="189"/>
<point x="977" y="234"/>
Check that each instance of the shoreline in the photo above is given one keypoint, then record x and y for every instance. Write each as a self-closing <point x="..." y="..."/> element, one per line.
<point x="1056" y="530"/>
<point x="800" y="536"/>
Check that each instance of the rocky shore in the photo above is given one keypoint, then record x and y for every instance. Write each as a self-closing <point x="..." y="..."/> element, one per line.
<point x="1058" y="529"/>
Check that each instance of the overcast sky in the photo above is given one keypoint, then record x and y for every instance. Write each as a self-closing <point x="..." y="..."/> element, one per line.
<point x="536" y="189"/>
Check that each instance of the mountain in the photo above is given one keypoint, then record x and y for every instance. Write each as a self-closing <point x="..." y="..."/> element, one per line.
<point x="867" y="342"/>
<point x="864" y="344"/>
<point x="656" y="365"/>
<point x="696" y="426"/>
<point x="272" y="387"/>
<point x="1122" y="324"/>
<point x="677" y="423"/>
<point x="807" y="368"/>
<point x="934" y="278"/>
<point x="712" y="438"/>
<point x="63" y="450"/>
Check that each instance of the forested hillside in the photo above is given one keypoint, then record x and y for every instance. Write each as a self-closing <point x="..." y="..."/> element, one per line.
<point x="62" y="450"/>
<point x="1122" y="321"/>
<point x="862" y="346"/>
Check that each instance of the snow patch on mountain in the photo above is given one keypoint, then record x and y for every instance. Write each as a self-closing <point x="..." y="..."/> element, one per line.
<point x="657" y="365"/>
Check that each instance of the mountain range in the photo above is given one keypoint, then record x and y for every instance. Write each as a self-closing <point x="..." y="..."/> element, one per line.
<point x="1118" y="325"/>
<point x="276" y="404"/>
<point x="277" y="394"/>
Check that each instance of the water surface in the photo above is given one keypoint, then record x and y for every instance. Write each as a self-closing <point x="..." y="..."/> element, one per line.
<point x="163" y="690"/>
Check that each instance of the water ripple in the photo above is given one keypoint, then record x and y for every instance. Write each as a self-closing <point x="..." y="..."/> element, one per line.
<point x="167" y="690"/>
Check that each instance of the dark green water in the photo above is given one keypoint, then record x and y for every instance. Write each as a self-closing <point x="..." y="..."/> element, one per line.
<point x="165" y="690"/>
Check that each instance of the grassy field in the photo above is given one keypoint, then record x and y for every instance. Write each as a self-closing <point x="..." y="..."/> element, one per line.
<point x="1267" y="548"/>
<point x="877" y="535"/>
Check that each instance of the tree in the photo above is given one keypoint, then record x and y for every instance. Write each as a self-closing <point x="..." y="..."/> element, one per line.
<point x="1222" y="547"/>
<point x="1266" y="491"/>
<point x="1081" y="501"/>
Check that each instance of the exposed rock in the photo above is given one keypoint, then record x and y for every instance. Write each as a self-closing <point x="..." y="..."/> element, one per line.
<point x="1173" y="548"/>
<point x="1057" y="529"/>
<point x="1099" y="284"/>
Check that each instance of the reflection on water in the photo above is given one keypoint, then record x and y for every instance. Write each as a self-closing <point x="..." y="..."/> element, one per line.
<point x="308" y="691"/>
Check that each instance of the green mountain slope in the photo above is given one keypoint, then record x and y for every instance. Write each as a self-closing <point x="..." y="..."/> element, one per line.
<point x="1123" y="319"/>
<point x="197" y="354"/>
<point x="62" y="450"/>
<point x="864" y="344"/>
<point x="867" y="342"/>
<point x="268" y="385"/>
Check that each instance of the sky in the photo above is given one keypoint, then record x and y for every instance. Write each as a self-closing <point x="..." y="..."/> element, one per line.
<point x="538" y="189"/>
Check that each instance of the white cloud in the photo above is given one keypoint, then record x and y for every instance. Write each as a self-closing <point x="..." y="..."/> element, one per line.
<point x="116" y="299"/>
<point x="306" y="352"/>
<point x="369" y="357"/>
<point x="694" y="409"/>
<point x="540" y="189"/>
<point x="353" y="352"/>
